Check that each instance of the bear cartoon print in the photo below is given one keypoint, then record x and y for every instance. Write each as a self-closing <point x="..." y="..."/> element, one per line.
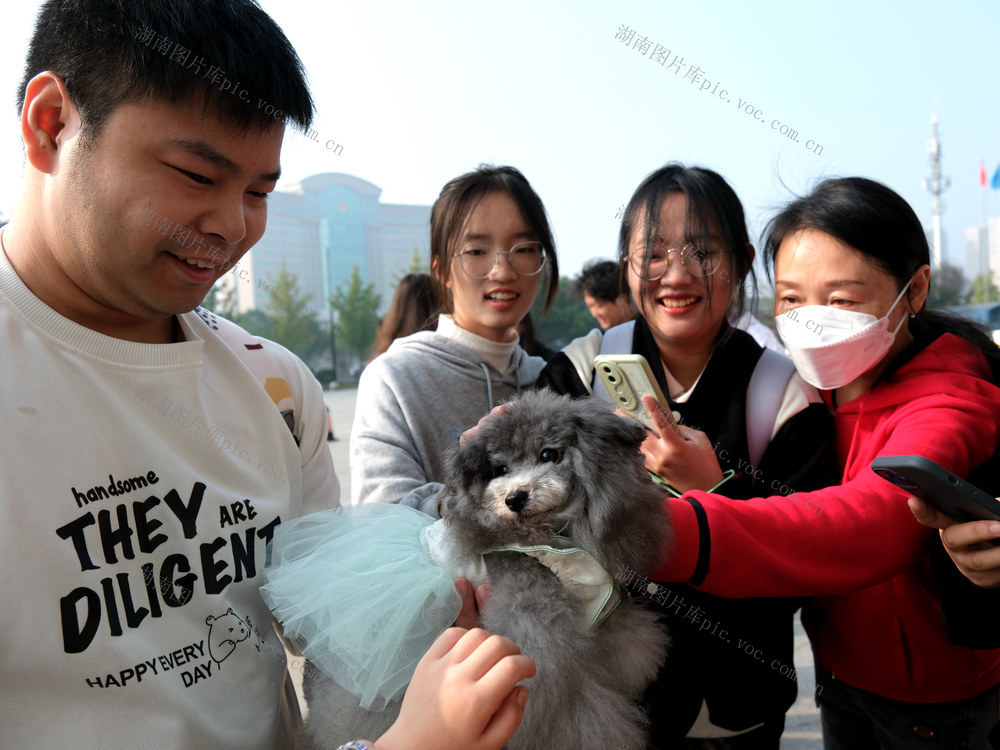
<point x="224" y="632"/>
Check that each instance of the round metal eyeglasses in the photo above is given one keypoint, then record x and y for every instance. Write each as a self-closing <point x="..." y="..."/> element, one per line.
<point x="696" y="261"/>
<point x="478" y="261"/>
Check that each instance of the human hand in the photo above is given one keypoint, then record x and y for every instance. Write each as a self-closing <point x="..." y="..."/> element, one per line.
<point x="472" y="602"/>
<point x="464" y="695"/>
<point x="471" y="432"/>
<point x="970" y="545"/>
<point x="679" y="455"/>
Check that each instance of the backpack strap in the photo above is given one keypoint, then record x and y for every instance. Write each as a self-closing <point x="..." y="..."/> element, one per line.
<point x="581" y="352"/>
<point x="764" y="397"/>
<point x="616" y="340"/>
<point x="253" y="354"/>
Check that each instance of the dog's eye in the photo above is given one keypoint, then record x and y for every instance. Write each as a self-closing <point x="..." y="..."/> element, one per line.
<point x="549" y="455"/>
<point x="499" y="471"/>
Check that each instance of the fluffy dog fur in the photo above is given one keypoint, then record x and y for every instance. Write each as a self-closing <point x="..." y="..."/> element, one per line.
<point x="548" y="466"/>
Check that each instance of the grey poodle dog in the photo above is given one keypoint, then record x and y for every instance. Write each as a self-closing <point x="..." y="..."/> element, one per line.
<point x="552" y="497"/>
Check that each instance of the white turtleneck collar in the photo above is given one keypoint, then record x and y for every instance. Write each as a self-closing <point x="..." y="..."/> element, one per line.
<point x="498" y="354"/>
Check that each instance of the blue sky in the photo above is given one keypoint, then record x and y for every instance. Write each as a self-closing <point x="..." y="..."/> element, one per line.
<point x="418" y="93"/>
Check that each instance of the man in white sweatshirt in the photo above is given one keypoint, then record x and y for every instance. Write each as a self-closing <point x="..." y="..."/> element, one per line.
<point x="149" y="449"/>
<point x="144" y="458"/>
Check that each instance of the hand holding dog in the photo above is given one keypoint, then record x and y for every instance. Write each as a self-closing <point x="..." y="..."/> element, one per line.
<point x="679" y="455"/>
<point x="463" y="696"/>
<point x="472" y="602"/>
<point x="966" y="543"/>
<point x="470" y="433"/>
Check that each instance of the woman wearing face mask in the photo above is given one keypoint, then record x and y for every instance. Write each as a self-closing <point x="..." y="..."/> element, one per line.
<point x="684" y="255"/>
<point x="851" y="268"/>
<point x="491" y="246"/>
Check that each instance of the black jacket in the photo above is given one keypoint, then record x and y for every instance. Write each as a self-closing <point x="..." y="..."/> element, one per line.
<point x="710" y="661"/>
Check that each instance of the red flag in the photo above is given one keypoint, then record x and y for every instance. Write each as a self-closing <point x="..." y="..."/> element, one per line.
<point x="982" y="174"/>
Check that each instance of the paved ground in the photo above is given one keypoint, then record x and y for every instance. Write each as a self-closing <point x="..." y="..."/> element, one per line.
<point x="341" y="406"/>
<point x="802" y="729"/>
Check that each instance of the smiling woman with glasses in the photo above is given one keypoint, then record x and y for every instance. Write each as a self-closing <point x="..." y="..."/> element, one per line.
<point x="684" y="255"/>
<point x="491" y="251"/>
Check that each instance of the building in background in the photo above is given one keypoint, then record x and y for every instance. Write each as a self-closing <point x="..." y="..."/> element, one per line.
<point x="982" y="245"/>
<point x="323" y="226"/>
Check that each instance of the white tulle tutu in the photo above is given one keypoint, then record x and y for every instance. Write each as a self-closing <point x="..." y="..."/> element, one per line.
<point x="357" y="593"/>
<point x="364" y="590"/>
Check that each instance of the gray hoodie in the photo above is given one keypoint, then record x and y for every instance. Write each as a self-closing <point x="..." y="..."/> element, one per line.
<point x="413" y="403"/>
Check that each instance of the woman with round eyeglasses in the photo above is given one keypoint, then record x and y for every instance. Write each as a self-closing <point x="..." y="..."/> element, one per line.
<point x="491" y="249"/>
<point x="685" y="256"/>
<point x="852" y="274"/>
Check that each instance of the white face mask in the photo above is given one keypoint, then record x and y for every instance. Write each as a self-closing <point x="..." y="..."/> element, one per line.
<point x="832" y="347"/>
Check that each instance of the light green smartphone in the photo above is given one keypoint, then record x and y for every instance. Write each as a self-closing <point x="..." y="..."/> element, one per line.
<point x="627" y="378"/>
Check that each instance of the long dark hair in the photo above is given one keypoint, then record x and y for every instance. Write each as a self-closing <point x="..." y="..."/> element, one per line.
<point x="457" y="200"/>
<point x="711" y="202"/>
<point x="413" y="308"/>
<point x="875" y="221"/>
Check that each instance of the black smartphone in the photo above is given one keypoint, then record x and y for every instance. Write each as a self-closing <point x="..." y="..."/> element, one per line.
<point x="938" y="487"/>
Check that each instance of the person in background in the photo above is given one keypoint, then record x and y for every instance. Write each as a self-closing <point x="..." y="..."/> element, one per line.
<point x="491" y="249"/>
<point x="414" y="307"/>
<point x="607" y="303"/>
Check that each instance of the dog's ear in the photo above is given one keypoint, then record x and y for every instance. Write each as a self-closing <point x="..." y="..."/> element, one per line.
<point x="591" y="414"/>
<point x="626" y="430"/>
<point x="623" y="523"/>
<point x="466" y="463"/>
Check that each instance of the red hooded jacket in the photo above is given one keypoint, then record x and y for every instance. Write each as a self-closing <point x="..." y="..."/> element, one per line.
<point x="876" y="620"/>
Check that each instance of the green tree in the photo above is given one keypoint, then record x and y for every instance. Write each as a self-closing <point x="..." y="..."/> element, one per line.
<point x="976" y="289"/>
<point x="294" y="322"/>
<point x="417" y="263"/>
<point x="356" y="304"/>
<point x="568" y="318"/>
<point x="221" y="299"/>
<point x="947" y="285"/>
<point x="256" y="321"/>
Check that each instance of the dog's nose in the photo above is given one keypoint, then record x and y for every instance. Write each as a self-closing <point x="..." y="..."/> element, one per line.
<point x="517" y="500"/>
